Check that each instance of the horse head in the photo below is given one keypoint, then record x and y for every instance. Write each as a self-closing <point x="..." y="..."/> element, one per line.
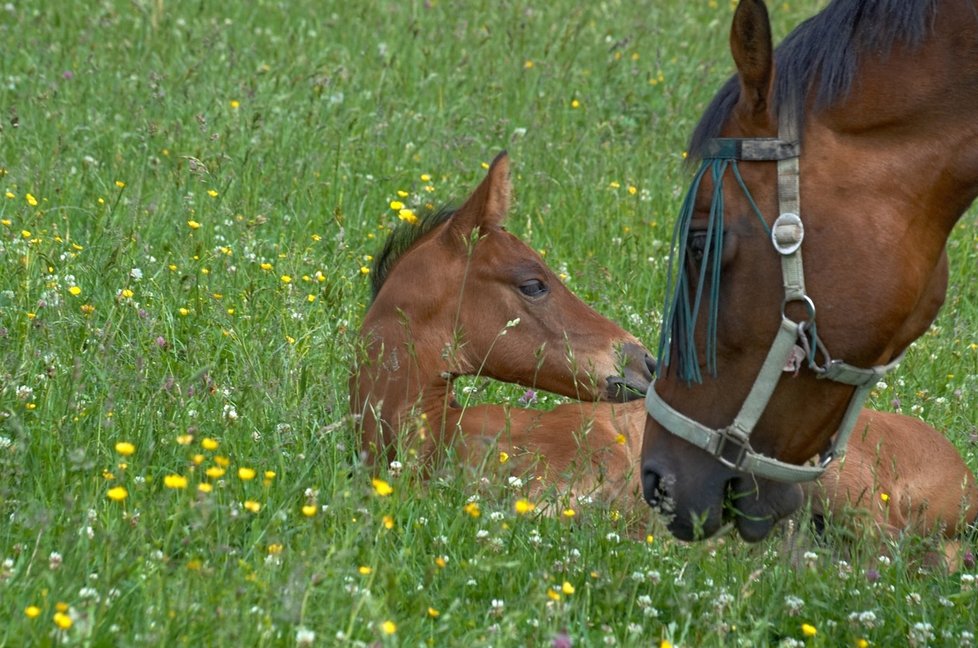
<point x="854" y="143"/>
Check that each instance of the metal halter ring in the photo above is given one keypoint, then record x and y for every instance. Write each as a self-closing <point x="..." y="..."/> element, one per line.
<point x="809" y="306"/>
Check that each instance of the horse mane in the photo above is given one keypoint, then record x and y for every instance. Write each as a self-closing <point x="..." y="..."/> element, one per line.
<point x="400" y="240"/>
<point x="822" y="56"/>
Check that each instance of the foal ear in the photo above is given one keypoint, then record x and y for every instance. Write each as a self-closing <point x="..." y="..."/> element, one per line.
<point x="488" y="204"/>
<point x="753" y="52"/>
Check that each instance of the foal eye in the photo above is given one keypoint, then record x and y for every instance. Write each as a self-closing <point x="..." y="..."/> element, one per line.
<point x="534" y="288"/>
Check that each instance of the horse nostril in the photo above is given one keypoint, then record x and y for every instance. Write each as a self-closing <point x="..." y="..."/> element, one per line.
<point x="650" y="488"/>
<point x="650" y="364"/>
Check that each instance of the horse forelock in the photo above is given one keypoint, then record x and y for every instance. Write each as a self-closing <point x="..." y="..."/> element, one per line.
<point x="822" y="56"/>
<point x="405" y="236"/>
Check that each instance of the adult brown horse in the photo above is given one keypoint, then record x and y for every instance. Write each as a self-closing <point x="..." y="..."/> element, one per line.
<point x="458" y="295"/>
<point x="856" y="142"/>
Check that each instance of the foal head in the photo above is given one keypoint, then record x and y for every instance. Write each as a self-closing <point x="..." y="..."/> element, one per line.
<point x="462" y="296"/>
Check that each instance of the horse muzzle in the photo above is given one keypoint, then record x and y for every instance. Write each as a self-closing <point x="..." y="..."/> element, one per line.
<point x="637" y="369"/>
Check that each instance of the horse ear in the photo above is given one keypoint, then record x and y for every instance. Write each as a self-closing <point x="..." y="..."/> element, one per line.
<point x="753" y="53"/>
<point x="488" y="204"/>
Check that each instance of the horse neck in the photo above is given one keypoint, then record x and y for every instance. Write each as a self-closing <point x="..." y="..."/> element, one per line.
<point x="403" y="382"/>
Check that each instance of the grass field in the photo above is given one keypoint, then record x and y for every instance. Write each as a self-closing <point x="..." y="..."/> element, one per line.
<point x="192" y="194"/>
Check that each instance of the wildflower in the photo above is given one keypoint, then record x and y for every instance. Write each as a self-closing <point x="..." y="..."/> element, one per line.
<point x="569" y="513"/>
<point x="365" y="570"/>
<point x="275" y="548"/>
<point x="381" y="487"/>
<point x="235" y="104"/>
<point x="125" y="448"/>
<point x="621" y="439"/>
<point x="183" y="312"/>
<point x="54" y="560"/>
<point x="185" y="439"/>
<point x="649" y="539"/>
<point x="286" y="279"/>
<point x="524" y="506"/>
<point x="208" y="443"/>
<point x="266" y="266"/>
<point x="214" y="472"/>
<point x="62" y="620"/>
<point x="212" y="193"/>
<point x="32" y="611"/>
<point x="309" y="510"/>
<point x="175" y="481"/>
<point x="269" y="475"/>
<point x="433" y="613"/>
<point x="397" y="205"/>
<point x="665" y="643"/>
<point x="222" y="461"/>
<point x="192" y="224"/>
<point x="10" y="195"/>
<point x="204" y="487"/>
<point x="503" y="457"/>
<point x="575" y="103"/>
<point x="808" y="630"/>
<point x="567" y="588"/>
<point x="472" y="508"/>
<point x="304" y="636"/>
<point x="74" y="290"/>
<point x="388" y="627"/>
<point x="26" y="234"/>
<point x="120" y="184"/>
<point x="364" y="270"/>
<point x="552" y="594"/>
<point x="252" y="506"/>
<point x="31" y="200"/>
<point x="884" y="497"/>
<point x="117" y="494"/>
<point x="862" y="643"/>
<point x="246" y="474"/>
<point x="388" y="522"/>
<point x="441" y="561"/>
<point x="527" y="64"/>
<point x="407" y="216"/>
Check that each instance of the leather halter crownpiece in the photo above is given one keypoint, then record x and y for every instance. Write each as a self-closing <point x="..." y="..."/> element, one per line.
<point x="787" y="234"/>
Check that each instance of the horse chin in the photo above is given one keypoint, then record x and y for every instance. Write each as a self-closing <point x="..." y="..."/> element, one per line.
<point x="758" y="506"/>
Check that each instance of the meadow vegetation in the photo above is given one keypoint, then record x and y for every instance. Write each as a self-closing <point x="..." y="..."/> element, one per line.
<point x="190" y="195"/>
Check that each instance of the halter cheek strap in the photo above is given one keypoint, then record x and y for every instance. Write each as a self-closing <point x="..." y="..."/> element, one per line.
<point x="731" y="445"/>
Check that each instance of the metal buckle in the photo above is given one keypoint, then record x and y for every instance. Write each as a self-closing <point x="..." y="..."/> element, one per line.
<point x="787" y="233"/>
<point x="743" y="449"/>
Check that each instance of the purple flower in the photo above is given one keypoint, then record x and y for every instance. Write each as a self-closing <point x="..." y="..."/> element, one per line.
<point x="528" y="398"/>
<point x="872" y="575"/>
<point x="562" y="640"/>
<point x="969" y="559"/>
<point x="68" y="75"/>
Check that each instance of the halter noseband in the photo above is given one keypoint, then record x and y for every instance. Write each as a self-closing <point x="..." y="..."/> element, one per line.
<point x="793" y="340"/>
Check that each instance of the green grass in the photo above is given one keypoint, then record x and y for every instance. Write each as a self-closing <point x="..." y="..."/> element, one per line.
<point x="283" y="130"/>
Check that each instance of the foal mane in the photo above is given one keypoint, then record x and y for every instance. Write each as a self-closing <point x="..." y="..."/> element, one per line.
<point x="400" y="240"/>
<point x="822" y="56"/>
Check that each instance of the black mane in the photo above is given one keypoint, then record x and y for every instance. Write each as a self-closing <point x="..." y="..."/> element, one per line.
<point x="404" y="236"/>
<point x="822" y="54"/>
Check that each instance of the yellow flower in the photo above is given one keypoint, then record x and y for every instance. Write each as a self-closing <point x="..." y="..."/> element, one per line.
<point x="60" y="607"/>
<point x="808" y="630"/>
<point x="649" y="539"/>
<point x="286" y="279"/>
<point x="266" y="266"/>
<point x="10" y="195"/>
<point x="87" y="309"/>
<point x="402" y="194"/>
<point x="503" y="457"/>
<point x="32" y="611"/>
<point x="175" y="481"/>
<point x="552" y="594"/>
<point x="381" y="487"/>
<point x="388" y="627"/>
<point x="62" y="620"/>
<point x="441" y="561"/>
<point x="221" y="461"/>
<point x="208" y="443"/>
<point x="275" y="549"/>
<point x="185" y="439"/>
<point x="204" y="487"/>
<point x="75" y="290"/>
<point x="569" y="513"/>
<point x="388" y="522"/>
<point x="192" y="224"/>
<point x="269" y="475"/>
<point x="235" y="104"/>
<point x="575" y="103"/>
<point x="397" y="205"/>
<point x="407" y="216"/>
<point x="214" y="472"/>
<point x="26" y="233"/>
<point x="620" y="439"/>
<point x="117" y="494"/>
<point x="472" y="508"/>
<point x="567" y="588"/>
<point x="125" y="448"/>
<point x="425" y="177"/>
<point x="126" y="293"/>
<point x="665" y="643"/>
<point x="120" y="184"/>
<point x="862" y="643"/>
<point x="528" y="64"/>
<point x="31" y="200"/>
<point x="246" y="474"/>
<point x="310" y="298"/>
<point x="523" y="506"/>
<point x="884" y="497"/>
<point x="364" y="270"/>
<point x="632" y="190"/>
<point x="212" y="193"/>
<point x="309" y="510"/>
<point x="252" y="506"/>
<point x="433" y="613"/>
<point x="183" y="312"/>
<point x="365" y="570"/>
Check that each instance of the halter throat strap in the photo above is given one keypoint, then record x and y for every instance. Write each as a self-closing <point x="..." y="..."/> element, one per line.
<point x="731" y="445"/>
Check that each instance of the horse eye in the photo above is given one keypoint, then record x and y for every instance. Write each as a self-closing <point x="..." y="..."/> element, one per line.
<point x="534" y="288"/>
<point x="697" y="245"/>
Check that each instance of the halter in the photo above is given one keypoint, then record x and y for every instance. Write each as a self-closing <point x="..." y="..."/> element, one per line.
<point x="794" y="341"/>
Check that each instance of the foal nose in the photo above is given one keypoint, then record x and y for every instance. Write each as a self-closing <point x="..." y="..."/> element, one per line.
<point x="637" y="371"/>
